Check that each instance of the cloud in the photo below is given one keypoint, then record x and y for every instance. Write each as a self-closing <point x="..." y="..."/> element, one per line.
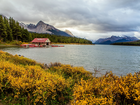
<point x="91" y="17"/>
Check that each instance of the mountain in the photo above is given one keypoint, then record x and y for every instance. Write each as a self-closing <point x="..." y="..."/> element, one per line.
<point x="3" y="16"/>
<point x="42" y="27"/>
<point x="68" y="32"/>
<point x="115" y="39"/>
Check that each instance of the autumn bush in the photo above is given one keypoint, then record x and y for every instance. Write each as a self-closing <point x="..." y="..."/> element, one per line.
<point x="68" y="71"/>
<point x="25" y="82"/>
<point x="17" y="59"/>
<point x="108" y="90"/>
<point x="30" y="84"/>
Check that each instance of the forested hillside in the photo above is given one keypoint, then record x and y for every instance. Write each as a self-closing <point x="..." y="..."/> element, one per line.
<point x="134" y="43"/>
<point x="61" y="39"/>
<point x="11" y="30"/>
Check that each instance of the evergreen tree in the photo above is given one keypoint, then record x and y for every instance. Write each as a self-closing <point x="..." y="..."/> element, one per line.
<point x="12" y="24"/>
<point x="30" y="37"/>
<point x="18" y="33"/>
<point x="25" y="35"/>
<point x="5" y="20"/>
<point x="9" y="34"/>
<point x="8" y="30"/>
<point x="3" y="33"/>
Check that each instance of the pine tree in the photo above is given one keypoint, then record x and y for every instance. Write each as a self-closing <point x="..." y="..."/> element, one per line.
<point x="30" y="37"/>
<point x="25" y="34"/>
<point x="12" y="24"/>
<point x="9" y="34"/>
<point x="8" y="30"/>
<point x="3" y="33"/>
<point x="18" y="34"/>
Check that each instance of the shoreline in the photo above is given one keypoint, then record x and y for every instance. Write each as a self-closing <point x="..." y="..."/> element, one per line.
<point x="9" y="46"/>
<point x="72" y="44"/>
<point x="50" y="44"/>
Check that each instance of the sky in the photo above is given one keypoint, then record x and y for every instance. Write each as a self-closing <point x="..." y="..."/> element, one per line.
<point x="90" y="19"/>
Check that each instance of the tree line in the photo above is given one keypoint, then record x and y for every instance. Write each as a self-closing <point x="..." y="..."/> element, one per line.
<point x="61" y="39"/>
<point x="133" y="43"/>
<point x="11" y="30"/>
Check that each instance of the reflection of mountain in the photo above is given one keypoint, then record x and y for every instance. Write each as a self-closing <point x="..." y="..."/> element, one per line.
<point x="42" y="27"/>
<point x="115" y="39"/>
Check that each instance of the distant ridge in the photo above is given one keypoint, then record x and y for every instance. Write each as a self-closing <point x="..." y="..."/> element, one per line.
<point x="68" y="32"/>
<point x="115" y="39"/>
<point x="42" y="27"/>
<point x="3" y="16"/>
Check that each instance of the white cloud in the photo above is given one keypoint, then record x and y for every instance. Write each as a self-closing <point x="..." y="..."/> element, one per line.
<point x="91" y="19"/>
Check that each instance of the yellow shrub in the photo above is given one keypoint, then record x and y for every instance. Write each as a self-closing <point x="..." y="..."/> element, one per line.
<point x="20" y="60"/>
<point x="109" y="90"/>
<point x="74" y="72"/>
<point x="28" y="83"/>
<point x="31" y="80"/>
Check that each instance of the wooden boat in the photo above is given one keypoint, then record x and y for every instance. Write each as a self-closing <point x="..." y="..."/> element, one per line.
<point x="61" y="45"/>
<point x="27" y="45"/>
<point x="35" y="45"/>
<point x="30" y="45"/>
<point x="57" y="45"/>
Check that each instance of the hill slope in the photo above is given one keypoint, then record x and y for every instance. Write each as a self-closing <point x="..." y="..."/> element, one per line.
<point x="133" y="43"/>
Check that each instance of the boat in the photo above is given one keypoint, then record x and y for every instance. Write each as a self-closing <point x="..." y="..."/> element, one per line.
<point x="27" y="45"/>
<point x="54" y="45"/>
<point x="57" y="45"/>
<point x="61" y="45"/>
<point x="35" y="45"/>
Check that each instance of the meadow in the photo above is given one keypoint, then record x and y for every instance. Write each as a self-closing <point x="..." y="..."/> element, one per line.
<point x="26" y="82"/>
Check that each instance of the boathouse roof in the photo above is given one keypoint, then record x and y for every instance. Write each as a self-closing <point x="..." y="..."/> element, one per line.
<point x="41" y="40"/>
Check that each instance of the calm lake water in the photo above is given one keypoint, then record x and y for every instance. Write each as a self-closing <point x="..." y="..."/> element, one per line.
<point x="121" y="60"/>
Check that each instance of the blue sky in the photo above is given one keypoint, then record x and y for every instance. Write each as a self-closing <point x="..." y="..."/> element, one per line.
<point x="91" y="19"/>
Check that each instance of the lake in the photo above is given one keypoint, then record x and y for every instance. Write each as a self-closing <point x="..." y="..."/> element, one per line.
<point x="121" y="60"/>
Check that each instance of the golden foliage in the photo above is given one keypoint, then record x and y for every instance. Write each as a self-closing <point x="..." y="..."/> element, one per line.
<point x="17" y="59"/>
<point x="26" y="82"/>
<point x="108" y="90"/>
<point x="32" y="82"/>
<point x="68" y="71"/>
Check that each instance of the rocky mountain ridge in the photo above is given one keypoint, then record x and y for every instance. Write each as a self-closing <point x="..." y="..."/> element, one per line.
<point x="42" y="27"/>
<point x="3" y="16"/>
<point x="68" y="32"/>
<point x="115" y="39"/>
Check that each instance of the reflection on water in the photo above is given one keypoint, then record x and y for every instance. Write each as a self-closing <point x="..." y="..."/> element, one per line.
<point x="118" y="59"/>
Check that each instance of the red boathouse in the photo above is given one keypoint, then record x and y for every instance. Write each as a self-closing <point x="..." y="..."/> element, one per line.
<point x="41" y="41"/>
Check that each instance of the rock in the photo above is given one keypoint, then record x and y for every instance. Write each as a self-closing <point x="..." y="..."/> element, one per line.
<point x="68" y="32"/>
